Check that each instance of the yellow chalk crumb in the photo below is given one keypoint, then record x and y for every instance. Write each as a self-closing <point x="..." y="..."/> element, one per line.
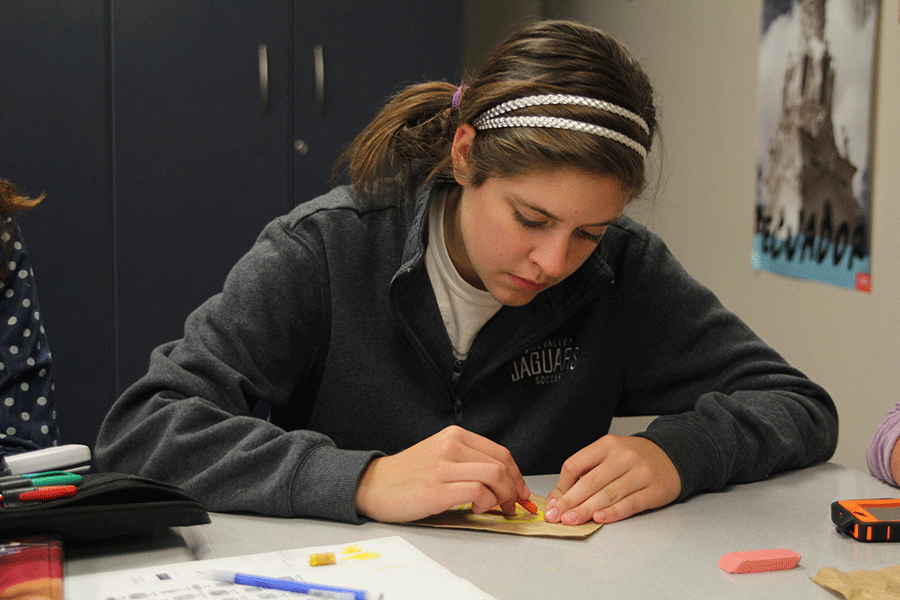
<point x="356" y="553"/>
<point x="323" y="558"/>
<point x="362" y="556"/>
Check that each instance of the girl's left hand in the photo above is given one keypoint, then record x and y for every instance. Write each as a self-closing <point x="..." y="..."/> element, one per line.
<point x="612" y="479"/>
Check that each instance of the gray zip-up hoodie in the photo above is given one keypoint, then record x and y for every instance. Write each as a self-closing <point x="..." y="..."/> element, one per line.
<point x="331" y="320"/>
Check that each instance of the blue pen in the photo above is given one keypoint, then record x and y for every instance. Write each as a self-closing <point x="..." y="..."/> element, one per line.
<point x="303" y="587"/>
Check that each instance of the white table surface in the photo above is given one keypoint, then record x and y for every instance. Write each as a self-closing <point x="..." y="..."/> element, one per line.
<point x="668" y="553"/>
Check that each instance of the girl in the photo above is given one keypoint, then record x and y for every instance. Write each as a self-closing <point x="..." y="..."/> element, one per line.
<point x="474" y="308"/>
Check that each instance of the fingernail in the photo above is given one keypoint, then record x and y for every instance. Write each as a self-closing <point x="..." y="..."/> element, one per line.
<point x="570" y="518"/>
<point x="551" y="502"/>
<point x="551" y="514"/>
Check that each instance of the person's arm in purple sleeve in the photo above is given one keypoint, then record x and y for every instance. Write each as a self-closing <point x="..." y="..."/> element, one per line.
<point x="883" y="456"/>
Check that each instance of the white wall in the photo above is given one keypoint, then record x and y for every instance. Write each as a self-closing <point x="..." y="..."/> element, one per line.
<point x="702" y="57"/>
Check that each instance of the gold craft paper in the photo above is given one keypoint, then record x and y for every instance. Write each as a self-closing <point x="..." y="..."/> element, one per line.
<point x="862" y="585"/>
<point x="523" y="523"/>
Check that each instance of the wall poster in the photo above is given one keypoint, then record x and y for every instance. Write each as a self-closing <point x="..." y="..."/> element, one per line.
<point x="816" y="65"/>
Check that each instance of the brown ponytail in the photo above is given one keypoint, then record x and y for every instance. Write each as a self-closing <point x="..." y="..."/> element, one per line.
<point x="409" y="137"/>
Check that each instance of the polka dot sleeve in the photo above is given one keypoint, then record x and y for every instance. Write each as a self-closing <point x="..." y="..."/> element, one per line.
<point x="27" y="408"/>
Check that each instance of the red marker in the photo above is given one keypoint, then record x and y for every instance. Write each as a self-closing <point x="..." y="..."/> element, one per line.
<point x="36" y="494"/>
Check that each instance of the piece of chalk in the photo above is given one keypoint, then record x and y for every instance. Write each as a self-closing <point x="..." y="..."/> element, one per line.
<point x="323" y="558"/>
<point x="759" y="561"/>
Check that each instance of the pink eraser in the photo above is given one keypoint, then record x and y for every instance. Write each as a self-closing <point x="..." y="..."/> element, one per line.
<point x="758" y="561"/>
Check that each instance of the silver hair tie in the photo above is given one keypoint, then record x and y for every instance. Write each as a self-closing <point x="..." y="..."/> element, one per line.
<point x="490" y="119"/>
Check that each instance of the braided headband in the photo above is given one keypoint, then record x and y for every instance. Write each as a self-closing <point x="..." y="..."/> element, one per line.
<point x="490" y="119"/>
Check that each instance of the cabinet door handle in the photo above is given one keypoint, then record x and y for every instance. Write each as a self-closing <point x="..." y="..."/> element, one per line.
<point x="263" y="79"/>
<point x="319" y="65"/>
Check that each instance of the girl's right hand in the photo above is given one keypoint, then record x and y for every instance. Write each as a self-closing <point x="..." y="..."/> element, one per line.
<point x="452" y="467"/>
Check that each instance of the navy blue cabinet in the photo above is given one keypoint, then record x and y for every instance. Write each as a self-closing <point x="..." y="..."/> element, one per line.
<point x="55" y="139"/>
<point x="166" y="134"/>
<point x="200" y="165"/>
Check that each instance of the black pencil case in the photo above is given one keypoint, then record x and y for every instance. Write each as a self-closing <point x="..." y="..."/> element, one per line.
<point x="106" y="505"/>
